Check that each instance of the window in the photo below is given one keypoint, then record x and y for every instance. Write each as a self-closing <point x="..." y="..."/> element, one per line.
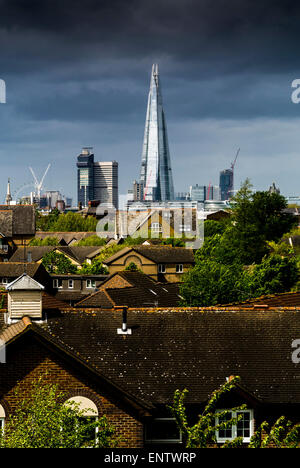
<point x="4" y="280"/>
<point x="2" y="418"/>
<point x="71" y="284"/>
<point x="156" y="227"/>
<point x="90" y="411"/>
<point x="57" y="283"/>
<point x="90" y="283"/>
<point x="163" y="430"/>
<point x="244" y="428"/>
<point x="184" y="227"/>
<point x="161" y="268"/>
<point x="179" y="268"/>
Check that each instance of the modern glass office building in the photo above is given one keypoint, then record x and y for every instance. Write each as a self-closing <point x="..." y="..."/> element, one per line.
<point x="96" y="180"/>
<point x="85" y="177"/>
<point x="226" y="184"/>
<point x="156" y="173"/>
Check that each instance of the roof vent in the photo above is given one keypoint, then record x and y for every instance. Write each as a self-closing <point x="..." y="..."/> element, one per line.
<point x="124" y="330"/>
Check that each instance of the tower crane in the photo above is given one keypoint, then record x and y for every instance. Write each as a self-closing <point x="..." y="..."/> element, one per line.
<point x="38" y="185"/>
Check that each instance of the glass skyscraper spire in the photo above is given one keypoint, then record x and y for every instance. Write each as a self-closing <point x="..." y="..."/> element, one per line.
<point x="156" y="173"/>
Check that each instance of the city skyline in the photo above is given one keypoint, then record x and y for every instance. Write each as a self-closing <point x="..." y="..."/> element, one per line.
<point x="227" y="78"/>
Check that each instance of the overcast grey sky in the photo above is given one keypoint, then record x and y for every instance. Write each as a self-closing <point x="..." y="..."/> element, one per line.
<point x="77" y="74"/>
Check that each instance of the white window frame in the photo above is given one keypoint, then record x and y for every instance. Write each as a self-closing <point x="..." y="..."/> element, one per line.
<point x="70" y="281"/>
<point x="184" y="228"/>
<point x="164" y="441"/>
<point x="161" y="268"/>
<point x="234" y="426"/>
<point x="2" y="424"/>
<point x="92" y="284"/>
<point x="56" y="283"/>
<point x="156" y="227"/>
<point x="5" y="281"/>
<point x="179" y="268"/>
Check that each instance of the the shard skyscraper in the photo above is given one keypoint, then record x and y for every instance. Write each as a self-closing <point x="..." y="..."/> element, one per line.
<point x="156" y="174"/>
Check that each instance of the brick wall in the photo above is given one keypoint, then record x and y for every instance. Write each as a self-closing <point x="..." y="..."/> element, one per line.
<point x="27" y="360"/>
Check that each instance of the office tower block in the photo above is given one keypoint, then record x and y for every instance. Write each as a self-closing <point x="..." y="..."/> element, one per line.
<point x="85" y="177"/>
<point x="226" y="184"/>
<point x="106" y="182"/>
<point x="156" y="173"/>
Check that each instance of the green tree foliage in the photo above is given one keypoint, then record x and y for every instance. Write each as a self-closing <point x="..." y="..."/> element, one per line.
<point x="241" y="258"/>
<point x="132" y="267"/>
<point x="69" y="222"/>
<point x="282" y="434"/>
<point x="36" y="241"/>
<point x="58" y="263"/>
<point x="94" y="268"/>
<point x="91" y="241"/>
<point x="45" y="421"/>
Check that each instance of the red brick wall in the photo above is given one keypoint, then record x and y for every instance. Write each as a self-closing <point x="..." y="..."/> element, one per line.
<point x="27" y="360"/>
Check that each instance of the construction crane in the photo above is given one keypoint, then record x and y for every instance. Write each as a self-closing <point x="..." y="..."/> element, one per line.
<point x="38" y="185"/>
<point x="232" y="167"/>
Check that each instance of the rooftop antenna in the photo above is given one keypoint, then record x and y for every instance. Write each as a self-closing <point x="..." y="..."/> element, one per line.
<point x="38" y="185"/>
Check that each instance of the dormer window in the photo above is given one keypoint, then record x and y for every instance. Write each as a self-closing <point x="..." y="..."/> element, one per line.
<point x="57" y="283"/>
<point x="161" y="268"/>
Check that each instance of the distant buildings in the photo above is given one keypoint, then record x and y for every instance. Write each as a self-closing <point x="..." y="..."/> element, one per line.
<point x="96" y="180"/>
<point x="226" y="184"/>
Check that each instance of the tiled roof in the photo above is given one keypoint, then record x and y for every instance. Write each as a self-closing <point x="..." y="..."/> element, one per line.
<point x="17" y="219"/>
<point x="189" y="348"/>
<point x="79" y="254"/>
<point x="288" y="299"/>
<point x="161" y="254"/>
<point x="139" y="290"/>
<point x="16" y="269"/>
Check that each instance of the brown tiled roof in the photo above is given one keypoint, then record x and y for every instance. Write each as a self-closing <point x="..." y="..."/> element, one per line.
<point x="189" y="348"/>
<point x="16" y="269"/>
<point x="143" y="292"/>
<point x="21" y="219"/>
<point x="79" y="254"/>
<point x="161" y="254"/>
<point x="287" y="299"/>
<point x="15" y="330"/>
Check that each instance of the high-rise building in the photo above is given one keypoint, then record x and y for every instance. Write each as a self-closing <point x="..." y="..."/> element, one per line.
<point x="106" y="182"/>
<point x="85" y="177"/>
<point x="156" y="173"/>
<point x="226" y="184"/>
<point x="96" y="180"/>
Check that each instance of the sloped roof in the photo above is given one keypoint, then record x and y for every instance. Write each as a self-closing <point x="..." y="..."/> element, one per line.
<point x="16" y="269"/>
<point x="161" y="254"/>
<point x="189" y="348"/>
<point x="287" y="299"/>
<point x="24" y="282"/>
<point x="77" y="253"/>
<point x="17" y="219"/>
<point x="139" y="290"/>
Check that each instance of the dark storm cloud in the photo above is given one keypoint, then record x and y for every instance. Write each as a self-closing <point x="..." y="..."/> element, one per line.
<point x="77" y="72"/>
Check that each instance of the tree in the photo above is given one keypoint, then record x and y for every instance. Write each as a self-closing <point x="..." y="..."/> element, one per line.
<point x="282" y="434"/>
<point x="132" y="267"/>
<point x="94" y="268"/>
<point x="58" y="263"/>
<point x="45" y="420"/>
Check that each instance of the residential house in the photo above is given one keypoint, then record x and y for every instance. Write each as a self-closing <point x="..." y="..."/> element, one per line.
<point x="74" y="288"/>
<point x="10" y="271"/>
<point x="64" y="238"/>
<point x="128" y="365"/>
<point x="161" y="263"/>
<point x="77" y="255"/>
<point x="17" y="227"/>
<point x="132" y="289"/>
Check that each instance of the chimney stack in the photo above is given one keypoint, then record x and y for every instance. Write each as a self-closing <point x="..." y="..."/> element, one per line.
<point x="124" y="330"/>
